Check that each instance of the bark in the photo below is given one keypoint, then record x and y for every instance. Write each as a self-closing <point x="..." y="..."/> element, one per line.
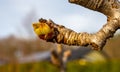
<point x="110" y="8"/>
<point x="57" y="56"/>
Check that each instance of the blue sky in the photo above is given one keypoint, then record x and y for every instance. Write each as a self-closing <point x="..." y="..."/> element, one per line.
<point x="80" y="19"/>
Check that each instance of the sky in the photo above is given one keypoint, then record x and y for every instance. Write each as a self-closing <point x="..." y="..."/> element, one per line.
<point x="80" y="19"/>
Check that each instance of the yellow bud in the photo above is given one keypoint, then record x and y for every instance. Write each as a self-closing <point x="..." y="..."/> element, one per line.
<point x="41" y="28"/>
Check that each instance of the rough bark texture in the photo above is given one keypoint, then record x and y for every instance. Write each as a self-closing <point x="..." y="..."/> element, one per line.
<point x="110" y="8"/>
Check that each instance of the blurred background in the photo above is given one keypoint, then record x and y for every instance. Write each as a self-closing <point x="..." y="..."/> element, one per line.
<point x="22" y="51"/>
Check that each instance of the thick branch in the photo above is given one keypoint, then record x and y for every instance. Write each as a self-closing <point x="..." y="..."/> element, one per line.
<point x="110" y="8"/>
<point x="60" y="34"/>
<point x="106" y="7"/>
<point x="90" y="4"/>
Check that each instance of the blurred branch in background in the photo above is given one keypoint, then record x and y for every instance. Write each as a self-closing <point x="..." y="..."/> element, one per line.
<point x="30" y="17"/>
<point x="17" y="49"/>
<point x="25" y="30"/>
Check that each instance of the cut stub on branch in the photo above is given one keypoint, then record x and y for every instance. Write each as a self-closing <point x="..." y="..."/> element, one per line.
<point x="51" y="32"/>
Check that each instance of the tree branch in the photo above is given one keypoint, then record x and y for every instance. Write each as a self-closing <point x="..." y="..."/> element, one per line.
<point x="107" y="7"/>
<point x="110" y="8"/>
